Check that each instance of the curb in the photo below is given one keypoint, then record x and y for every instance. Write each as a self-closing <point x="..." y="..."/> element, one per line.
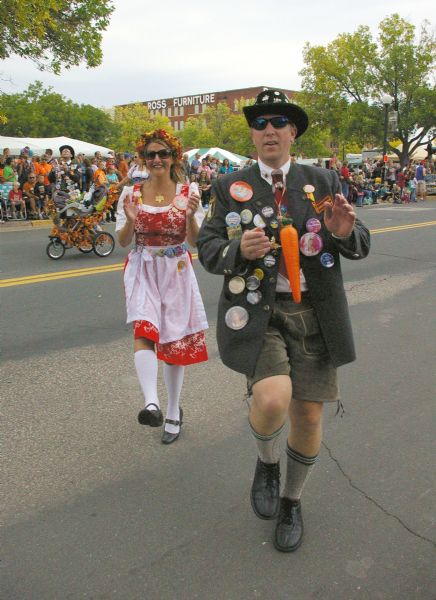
<point x="25" y="225"/>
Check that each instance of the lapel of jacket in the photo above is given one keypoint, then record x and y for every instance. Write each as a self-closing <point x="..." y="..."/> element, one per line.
<point x="262" y="194"/>
<point x="300" y="207"/>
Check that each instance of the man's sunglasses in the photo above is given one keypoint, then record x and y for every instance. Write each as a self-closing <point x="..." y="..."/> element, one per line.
<point x="164" y="153"/>
<point x="260" y="123"/>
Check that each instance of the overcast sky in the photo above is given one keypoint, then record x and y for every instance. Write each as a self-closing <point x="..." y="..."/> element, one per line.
<point x="174" y="48"/>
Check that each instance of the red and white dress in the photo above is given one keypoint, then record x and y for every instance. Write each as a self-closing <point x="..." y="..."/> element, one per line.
<point x="162" y="297"/>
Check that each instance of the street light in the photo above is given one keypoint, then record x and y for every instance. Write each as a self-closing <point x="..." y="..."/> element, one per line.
<point x="387" y="101"/>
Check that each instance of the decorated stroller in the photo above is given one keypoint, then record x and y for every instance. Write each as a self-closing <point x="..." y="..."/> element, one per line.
<point x="76" y="220"/>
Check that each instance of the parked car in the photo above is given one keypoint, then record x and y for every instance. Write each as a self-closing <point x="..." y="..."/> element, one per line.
<point x="430" y="181"/>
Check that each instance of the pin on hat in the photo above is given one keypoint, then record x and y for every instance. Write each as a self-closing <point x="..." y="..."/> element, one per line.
<point x="275" y="102"/>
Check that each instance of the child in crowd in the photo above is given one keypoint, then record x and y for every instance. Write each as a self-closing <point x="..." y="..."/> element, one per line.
<point x="41" y="193"/>
<point x="16" y="201"/>
<point x="411" y="188"/>
<point x="396" y="193"/>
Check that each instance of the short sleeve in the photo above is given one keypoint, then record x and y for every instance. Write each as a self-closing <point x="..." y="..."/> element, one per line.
<point x="121" y="215"/>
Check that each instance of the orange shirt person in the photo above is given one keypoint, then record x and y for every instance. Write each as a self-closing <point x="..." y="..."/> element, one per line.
<point x="43" y="168"/>
<point x="100" y="175"/>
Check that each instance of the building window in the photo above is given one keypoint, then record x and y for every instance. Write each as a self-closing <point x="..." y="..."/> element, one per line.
<point x="182" y="111"/>
<point x="235" y="105"/>
<point x="196" y="109"/>
<point x="163" y="112"/>
<point x="203" y="108"/>
<point x="182" y="125"/>
<point x="169" y="112"/>
<point x="176" y="125"/>
<point x="176" y="111"/>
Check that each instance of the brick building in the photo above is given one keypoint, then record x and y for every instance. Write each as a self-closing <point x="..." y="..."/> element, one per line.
<point x="178" y="109"/>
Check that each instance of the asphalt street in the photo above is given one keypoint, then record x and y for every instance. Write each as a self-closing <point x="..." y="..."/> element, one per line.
<point x="93" y="505"/>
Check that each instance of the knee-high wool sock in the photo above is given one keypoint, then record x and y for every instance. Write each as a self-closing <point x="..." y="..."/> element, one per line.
<point x="173" y="377"/>
<point x="146" y="368"/>
<point x="268" y="446"/>
<point x="298" y="470"/>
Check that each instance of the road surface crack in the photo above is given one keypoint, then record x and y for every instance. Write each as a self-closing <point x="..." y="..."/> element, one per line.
<point x="365" y="495"/>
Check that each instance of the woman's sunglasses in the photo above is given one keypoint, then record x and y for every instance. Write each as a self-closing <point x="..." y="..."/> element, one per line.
<point x="164" y="153"/>
<point x="260" y="123"/>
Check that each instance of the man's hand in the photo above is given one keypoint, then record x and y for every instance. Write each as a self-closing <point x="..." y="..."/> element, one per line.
<point x="340" y="218"/>
<point x="254" y="244"/>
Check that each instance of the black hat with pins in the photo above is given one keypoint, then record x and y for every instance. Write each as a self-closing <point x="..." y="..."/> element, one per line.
<point x="275" y="102"/>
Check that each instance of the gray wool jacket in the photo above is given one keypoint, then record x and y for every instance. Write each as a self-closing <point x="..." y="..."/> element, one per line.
<point x="239" y="349"/>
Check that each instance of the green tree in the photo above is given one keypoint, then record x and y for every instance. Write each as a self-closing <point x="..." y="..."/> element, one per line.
<point x="218" y="126"/>
<point x="344" y="81"/>
<point x="131" y="121"/>
<point x="54" y="33"/>
<point x="40" y="112"/>
<point x="196" y="133"/>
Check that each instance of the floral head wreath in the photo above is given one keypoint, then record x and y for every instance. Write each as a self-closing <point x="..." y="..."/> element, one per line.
<point x="160" y="134"/>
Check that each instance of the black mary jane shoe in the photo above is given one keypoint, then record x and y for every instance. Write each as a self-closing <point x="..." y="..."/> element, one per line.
<point x="265" y="491"/>
<point x="288" y="534"/>
<point x="153" y="418"/>
<point x="169" y="438"/>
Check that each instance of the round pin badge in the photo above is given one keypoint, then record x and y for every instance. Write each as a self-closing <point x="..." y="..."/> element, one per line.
<point x="180" y="202"/>
<point x="267" y="211"/>
<point x="310" y="244"/>
<point x="309" y="189"/>
<point x="233" y="219"/>
<point x="269" y="260"/>
<point x="259" y="274"/>
<point x="241" y="191"/>
<point x="327" y="260"/>
<point x="258" y="221"/>
<point x="274" y="223"/>
<point x="181" y="265"/>
<point x="313" y="225"/>
<point x="253" y="283"/>
<point x="237" y="285"/>
<point x="236" y="317"/>
<point x="254" y="297"/>
<point x="246" y="216"/>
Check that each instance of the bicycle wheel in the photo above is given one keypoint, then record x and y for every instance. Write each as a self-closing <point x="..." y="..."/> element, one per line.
<point x="86" y="245"/>
<point x="104" y="244"/>
<point x="55" y="250"/>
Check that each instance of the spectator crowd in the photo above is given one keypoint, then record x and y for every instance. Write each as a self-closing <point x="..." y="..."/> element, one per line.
<point x="27" y="181"/>
<point x="373" y="182"/>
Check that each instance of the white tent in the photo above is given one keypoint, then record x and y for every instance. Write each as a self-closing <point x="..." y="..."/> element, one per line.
<point x="39" y="145"/>
<point x="220" y="153"/>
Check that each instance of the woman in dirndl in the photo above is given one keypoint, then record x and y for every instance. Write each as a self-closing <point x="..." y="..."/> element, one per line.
<point x="162" y="297"/>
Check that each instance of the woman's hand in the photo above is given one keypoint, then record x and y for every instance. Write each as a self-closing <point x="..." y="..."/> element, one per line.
<point x="131" y="207"/>
<point x="193" y="203"/>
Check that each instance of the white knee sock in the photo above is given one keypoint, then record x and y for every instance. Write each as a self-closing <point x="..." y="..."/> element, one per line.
<point x="146" y="369"/>
<point x="173" y="377"/>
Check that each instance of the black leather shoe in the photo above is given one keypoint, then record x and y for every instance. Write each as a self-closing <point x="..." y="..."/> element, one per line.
<point x="289" y="529"/>
<point x="169" y="438"/>
<point x="265" y="490"/>
<point x="154" y="418"/>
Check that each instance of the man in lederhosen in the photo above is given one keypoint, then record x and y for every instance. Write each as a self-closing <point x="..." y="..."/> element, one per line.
<point x="289" y="351"/>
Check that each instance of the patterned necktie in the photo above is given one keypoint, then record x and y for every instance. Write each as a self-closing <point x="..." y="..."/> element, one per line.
<point x="281" y="200"/>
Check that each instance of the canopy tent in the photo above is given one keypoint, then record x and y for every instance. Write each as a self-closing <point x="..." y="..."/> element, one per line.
<point x="219" y="153"/>
<point x="39" y="145"/>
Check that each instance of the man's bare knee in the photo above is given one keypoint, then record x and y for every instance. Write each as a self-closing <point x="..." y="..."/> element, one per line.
<point x="271" y="396"/>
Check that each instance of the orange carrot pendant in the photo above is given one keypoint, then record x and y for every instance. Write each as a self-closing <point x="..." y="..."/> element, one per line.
<point x="291" y="256"/>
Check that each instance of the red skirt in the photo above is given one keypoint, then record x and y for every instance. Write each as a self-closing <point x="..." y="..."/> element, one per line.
<point x="189" y="350"/>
